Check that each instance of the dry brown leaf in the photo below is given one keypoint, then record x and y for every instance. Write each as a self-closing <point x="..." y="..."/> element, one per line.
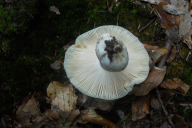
<point x="52" y="114"/>
<point x="154" y="102"/>
<point x="54" y="9"/>
<point x="89" y="102"/>
<point x="32" y="107"/>
<point x="140" y="107"/>
<point x="150" y="47"/>
<point x="73" y="115"/>
<point x="91" y="116"/>
<point x="179" y="122"/>
<point x="63" y="102"/>
<point x="157" y="54"/>
<point x="187" y="38"/>
<point x="41" y="119"/>
<point x="172" y="9"/>
<point x="172" y="54"/>
<point x="176" y="84"/>
<point x="55" y="65"/>
<point x="21" y="116"/>
<point x="154" y="78"/>
<point x="177" y="33"/>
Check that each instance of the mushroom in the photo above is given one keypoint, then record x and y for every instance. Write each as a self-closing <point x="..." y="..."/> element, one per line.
<point x="106" y="62"/>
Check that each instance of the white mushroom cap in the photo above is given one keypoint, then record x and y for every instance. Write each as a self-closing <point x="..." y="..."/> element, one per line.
<point x="85" y="72"/>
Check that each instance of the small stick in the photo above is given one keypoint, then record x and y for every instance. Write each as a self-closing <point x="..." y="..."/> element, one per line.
<point x="147" y="24"/>
<point x="59" y="62"/>
<point x="117" y="19"/>
<point x="4" y="50"/>
<point x="48" y="57"/>
<point x="165" y="112"/>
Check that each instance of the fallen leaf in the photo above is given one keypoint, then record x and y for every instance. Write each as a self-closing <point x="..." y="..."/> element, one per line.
<point x="154" y="78"/>
<point x="63" y="102"/>
<point x="21" y="116"/>
<point x="89" y="102"/>
<point x="54" y="9"/>
<point x="41" y="119"/>
<point x="52" y="114"/>
<point x="140" y="107"/>
<point x="177" y="33"/>
<point x="56" y="88"/>
<point x="121" y="114"/>
<point x="172" y="54"/>
<point x="172" y="9"/>
<point x="187" y="38"/>
<point x="91" y="116"/>
<point x="32" y="107"/>
<point x="55" y="65"/>
<point x="176" y="84"/>
<point x="157" y="54"/>
<point x="154" y="102"/>
<point x="179" y="122"/>
<point x="150" y="47"/>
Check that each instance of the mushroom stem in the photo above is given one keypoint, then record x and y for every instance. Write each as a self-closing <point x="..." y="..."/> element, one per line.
<point x="111" y="53"/>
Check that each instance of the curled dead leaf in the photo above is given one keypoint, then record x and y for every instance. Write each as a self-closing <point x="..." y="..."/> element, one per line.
<point x="21" y="116"/>
<point x="176" y="84"/>
<point x="150" y="47"/>
<point x="178" y="32"/>
<point x="187" y="38"/>
<point x="32" y="107"/>
<point x="157" y="54"/>
<point x="154" y="78"/>
<point x="54" y="9"/>
<point x="140" y="107"/>
<point x="91" y="116"/>
<point x="172" y="54"/>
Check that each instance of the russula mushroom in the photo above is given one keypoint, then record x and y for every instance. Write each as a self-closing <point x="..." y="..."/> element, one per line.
<point x="106" y="62"/>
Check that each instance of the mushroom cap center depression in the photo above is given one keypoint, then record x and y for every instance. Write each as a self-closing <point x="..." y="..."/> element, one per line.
<point x="111" y="53"/>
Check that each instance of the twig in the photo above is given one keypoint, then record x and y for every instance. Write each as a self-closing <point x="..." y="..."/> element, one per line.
<point x="147" y="24"/>
<point x="4" y="50"/>
<point x="48" y="57"/>
<point x="165" y="112"/>
<point x="117" y="19"/>
<point x="161" y="63"/>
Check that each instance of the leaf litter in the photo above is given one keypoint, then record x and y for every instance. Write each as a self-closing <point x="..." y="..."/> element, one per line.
<point x="175" y="17"/>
